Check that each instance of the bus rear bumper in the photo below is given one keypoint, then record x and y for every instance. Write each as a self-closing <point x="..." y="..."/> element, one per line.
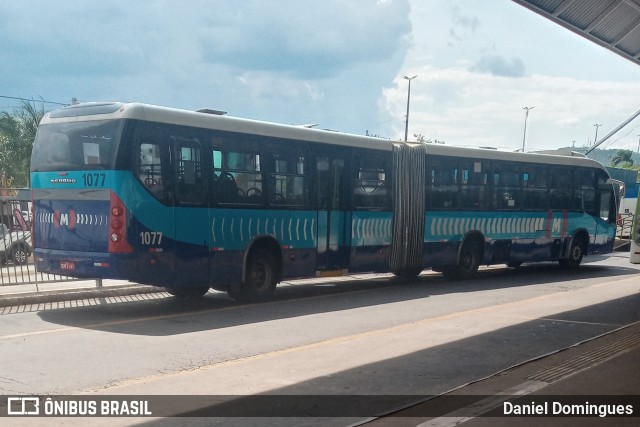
<point x="84" y="264"/>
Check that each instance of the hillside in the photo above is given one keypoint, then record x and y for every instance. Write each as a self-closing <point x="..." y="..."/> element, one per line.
<point x="605" y="156"/>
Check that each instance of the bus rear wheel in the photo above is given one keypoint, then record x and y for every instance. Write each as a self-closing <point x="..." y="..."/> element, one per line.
<point x="260" y="282"/>
<point x="468" y="263"/>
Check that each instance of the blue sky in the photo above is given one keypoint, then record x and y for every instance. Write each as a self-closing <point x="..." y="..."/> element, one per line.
<point x="337" y="63"/>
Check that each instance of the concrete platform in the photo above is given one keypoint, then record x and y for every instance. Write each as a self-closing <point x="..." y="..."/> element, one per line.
<point x="32" y="293"/>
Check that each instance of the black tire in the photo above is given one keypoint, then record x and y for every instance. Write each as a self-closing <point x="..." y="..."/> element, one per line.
<point x="260" y="280"/>
<point x="188" y="292"/>
<point x="19" y="254"/>
<point x="576" y="253"/>
<point x="468" y="263"/>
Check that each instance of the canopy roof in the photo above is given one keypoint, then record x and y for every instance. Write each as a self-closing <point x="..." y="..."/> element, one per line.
<point x="614" y="24"/>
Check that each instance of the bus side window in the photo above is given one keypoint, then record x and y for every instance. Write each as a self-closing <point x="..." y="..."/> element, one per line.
<point x="584" y="191"/>
<point x="507" y="194"/>
<point x="444" y="177"/>
<point x="150" y="169"/>
<point x="370" y="188"/>
<point x="560" y="188"/>
<point x="474" y="193"/>
<point x="534" y="187"/>
<point x="249" y="177"/>
<point x="237" y="175"/>
<point x="189" y="181"/>
<point x="289" y="181"/>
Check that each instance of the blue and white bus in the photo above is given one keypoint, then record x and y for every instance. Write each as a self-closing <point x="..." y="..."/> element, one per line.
<point x="191" y="201"/>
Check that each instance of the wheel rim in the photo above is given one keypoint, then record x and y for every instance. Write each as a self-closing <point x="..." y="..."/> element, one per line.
<point x="467" y="260"/>
<point x="576" y="253"/>
<point x="20" y="257"/>
<point x="260" y="274"/>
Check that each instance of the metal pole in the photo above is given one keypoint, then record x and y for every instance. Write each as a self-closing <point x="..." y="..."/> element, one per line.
<point x="610" y="134"/>
<point x="595" y="139"/>
<point x="406" y="123"/>
<point x="526" y="116"/>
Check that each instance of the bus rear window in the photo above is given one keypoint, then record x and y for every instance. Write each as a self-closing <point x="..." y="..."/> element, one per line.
<point x="75" y="146"/>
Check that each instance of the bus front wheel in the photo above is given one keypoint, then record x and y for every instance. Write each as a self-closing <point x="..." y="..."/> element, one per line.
<point x="576" y="253"/>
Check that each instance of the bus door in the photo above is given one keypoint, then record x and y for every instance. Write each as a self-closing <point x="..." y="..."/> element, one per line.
<point x="609" y="203"/>
<point x="333" y="217"/>
<point x="154" y="225"/>
<point x="191" y="213"/>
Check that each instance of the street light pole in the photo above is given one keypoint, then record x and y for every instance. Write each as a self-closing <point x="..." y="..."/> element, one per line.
<point x="526" y="116"/>
<point x="406" y="123"/>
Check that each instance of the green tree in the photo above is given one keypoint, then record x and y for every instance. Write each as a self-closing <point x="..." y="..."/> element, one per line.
<point x="623" y="158"/>
<point x="17" y="133"/>
<point x="423" y="139"/>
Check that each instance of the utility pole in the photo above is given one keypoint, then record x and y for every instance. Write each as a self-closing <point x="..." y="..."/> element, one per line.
<point x="406" y="123"/>
<point x="526" y="116"/>
<point x="595" y="140"/>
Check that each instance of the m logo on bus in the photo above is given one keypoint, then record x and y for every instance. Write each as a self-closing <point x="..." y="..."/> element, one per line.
<point x="557" y="226"/>
<point x="65" y="219"/>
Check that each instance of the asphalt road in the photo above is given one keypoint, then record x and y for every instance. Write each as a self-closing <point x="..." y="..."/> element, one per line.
<point x="377" y="344"/>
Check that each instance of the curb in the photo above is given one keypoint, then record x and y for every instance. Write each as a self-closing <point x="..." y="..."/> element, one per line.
<point x="79" y="294"/>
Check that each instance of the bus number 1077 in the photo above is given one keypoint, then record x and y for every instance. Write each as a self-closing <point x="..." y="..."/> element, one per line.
<point x="94" y="179"/>
<point x="150" y="238"/>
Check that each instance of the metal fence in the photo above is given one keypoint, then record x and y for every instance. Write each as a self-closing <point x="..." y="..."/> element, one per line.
<point x="625" y="225"/>
<point x="16" y="246"/>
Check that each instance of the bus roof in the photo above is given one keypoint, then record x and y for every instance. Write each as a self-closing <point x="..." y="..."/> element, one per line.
<point x="153" y="113"/>
<point x="118" y="110"/>
<point x="489" y="154"/>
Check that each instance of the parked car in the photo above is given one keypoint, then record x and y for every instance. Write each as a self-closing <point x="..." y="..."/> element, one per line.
<point x="15" y="246"/>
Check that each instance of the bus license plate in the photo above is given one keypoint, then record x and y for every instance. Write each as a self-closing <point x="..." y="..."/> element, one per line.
<point x="67" y="265"/>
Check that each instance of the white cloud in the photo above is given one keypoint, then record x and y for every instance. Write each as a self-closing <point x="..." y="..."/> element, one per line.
<point x="570" y="121"/>
<point x="500" y="66"/>
<point x="290" y="61"/>
<point x="477" y="109"/>
<point x="311" y="40"/>
<point x="480" y="63"/>
<point x="338" y="63"/>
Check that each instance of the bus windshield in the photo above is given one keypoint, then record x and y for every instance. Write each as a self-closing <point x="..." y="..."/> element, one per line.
<point x="75" y="146"/>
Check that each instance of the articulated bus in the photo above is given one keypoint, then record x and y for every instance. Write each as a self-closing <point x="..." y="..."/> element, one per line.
<point x="192" y="201"/>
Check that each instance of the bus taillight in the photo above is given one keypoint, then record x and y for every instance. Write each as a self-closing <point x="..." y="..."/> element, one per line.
<point x="118" y="227"/>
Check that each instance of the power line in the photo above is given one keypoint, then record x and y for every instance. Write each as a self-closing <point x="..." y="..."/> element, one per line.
<point x="17" y="98"/>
